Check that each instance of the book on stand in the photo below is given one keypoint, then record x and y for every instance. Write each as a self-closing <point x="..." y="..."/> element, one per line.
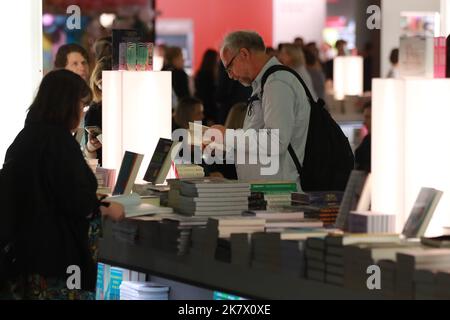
<point x="128" y="172"/>
<point x="421" y="213"/>
<point x="161" y="161"/>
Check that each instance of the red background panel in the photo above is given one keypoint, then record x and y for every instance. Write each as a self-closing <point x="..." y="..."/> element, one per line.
<point x="212" y="19"/>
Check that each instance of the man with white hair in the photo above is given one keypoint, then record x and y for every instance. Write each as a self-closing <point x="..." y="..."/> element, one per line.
<point x="284" y="105"/>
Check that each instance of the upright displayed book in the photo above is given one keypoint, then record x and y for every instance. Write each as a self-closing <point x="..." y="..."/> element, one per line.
<point x="129" y="169"/>
<point x="421" y="213"/>
<point x="351" y="197"/>
<point x="161" y="161"/>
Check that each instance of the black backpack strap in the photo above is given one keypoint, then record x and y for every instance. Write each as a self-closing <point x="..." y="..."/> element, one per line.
<point x="295" y="159"/>
<point x="280" y="67"/>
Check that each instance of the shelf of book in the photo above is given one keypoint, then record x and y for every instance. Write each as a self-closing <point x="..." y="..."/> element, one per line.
<point x="216" y="275"/>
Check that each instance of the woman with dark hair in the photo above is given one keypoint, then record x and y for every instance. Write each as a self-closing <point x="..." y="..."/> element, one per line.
<point x="73" y="57"/>
<point x="206" y="85"/>
<point x="49" y="198"/>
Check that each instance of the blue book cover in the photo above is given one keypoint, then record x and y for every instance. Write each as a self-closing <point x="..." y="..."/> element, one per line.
<point x="99" y="289"/>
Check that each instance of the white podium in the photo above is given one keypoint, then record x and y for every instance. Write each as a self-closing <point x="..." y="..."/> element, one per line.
<point x="410" y="146"/>
<point x="136" y="112"/>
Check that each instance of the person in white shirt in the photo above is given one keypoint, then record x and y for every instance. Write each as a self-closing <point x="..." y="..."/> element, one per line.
<point x="284" y="106"/>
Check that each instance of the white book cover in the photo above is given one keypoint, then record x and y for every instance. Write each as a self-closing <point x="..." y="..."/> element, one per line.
<point x="134" y="207"/>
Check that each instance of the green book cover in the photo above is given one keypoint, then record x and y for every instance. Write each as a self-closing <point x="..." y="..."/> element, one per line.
<point x="273" y="187"/>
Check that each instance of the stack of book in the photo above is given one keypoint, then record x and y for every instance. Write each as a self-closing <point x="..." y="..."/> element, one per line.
<point x="315" y="258"/>
<point x="276" y="193"/>
<point x="418" y="258"/>
<point x="388" y="269"/>
<point x="203" y="242"/>
<point x="256" y="201"/>
<point x="323" y="205"/>
<point x="105" y="179"/>
<point x="132" y="290"/>
<point x="334" y="260"/>
<point x="279" y="221"/>
<point x="174" y="193"/>
<point x="151" y="191"/>
<point x="443" y="284"/>
<point x="189" y="171"/>
<point x="110" y="278"/>
<point x="293" y="257"/>
<point x="359" y="257"/>
<point x="176" y="233"/>
<point x="241" y="252"/>
<point x="371" y="222"/>
<point x="125" y="231"/>
<point x="266" y="251"/>
<point x="425" y="284"/>
<point x="211" y="197"/>
<point x="227" y="225"/>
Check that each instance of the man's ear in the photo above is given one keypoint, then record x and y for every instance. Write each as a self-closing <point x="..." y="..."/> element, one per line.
<point x="245" y="53"/>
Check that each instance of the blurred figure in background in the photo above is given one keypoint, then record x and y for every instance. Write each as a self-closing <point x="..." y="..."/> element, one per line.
<point x="75" y="58"/>
<point x="393" y="58"/>
<point x="189" y="109"/>
<point x="292" y="56"/>
<point x="236" y="116"/>
<point x="315" y="70"/>
<point x="93" y="117"/>
<point x="298" y="41"/>
<point x="271" y="51"/>
<point x="102" y="47"/>
<point x="206" y="85"/>
<point x="368" y="66"/>
<point x="174" y="62"/>
<point x="362" y="153"/>
<point x="229" y="92"/>
<point x="341" y="50"/>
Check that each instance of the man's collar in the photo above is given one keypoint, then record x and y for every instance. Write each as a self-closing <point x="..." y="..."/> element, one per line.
<point x="256" y="84"/>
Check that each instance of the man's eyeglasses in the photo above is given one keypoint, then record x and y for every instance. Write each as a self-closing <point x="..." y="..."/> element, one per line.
<point x="230" y="64"/>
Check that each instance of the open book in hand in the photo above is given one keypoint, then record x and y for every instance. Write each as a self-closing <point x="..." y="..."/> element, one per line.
<point x="134" y="207"/>
<point x="200" y="135"/>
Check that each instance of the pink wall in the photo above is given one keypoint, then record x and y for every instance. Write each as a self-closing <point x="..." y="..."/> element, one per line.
<point x="214" y="18"/>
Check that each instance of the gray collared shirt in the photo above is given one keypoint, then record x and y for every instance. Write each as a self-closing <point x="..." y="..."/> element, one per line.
<point x="285" y="107"/>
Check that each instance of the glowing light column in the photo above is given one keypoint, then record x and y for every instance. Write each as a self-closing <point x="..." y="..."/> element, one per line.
<point x="136" y="112"/>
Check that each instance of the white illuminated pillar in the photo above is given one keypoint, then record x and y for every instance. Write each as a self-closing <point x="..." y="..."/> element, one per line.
<point x="136" y="112"/>
<point x="347" y="76"/>
<point x="388" y="148"/>
<point x="409" y="149"/>
<point x="21" y="72"/>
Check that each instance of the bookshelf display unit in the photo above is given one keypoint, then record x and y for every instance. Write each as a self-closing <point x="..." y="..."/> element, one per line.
<point x="206" y="272"/>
